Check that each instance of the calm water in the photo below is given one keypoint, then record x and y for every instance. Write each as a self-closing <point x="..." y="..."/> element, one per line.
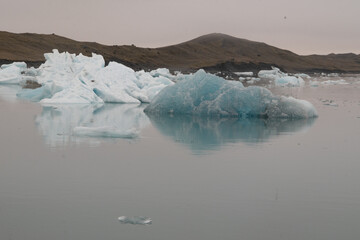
<point x="196" y="178"/>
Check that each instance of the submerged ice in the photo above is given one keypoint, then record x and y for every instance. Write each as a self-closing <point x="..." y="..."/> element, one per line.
<point x="208" y="95"/>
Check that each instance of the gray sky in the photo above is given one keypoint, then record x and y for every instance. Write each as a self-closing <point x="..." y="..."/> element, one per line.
<point x="302" y="26"/>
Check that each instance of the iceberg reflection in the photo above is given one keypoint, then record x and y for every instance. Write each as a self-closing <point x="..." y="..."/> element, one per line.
<point x="201" y="133"/>
<point x="74" y="123"/>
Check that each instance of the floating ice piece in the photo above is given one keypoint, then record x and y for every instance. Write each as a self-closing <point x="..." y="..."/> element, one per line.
<point x="302" y="75"/>
<point x="335" y="82"/>
<point x="137" y="220"/>
<point x="314" y="83"/>
<point x="282" y="79"/>
<point x="333" y="75"/>
<point x="208" y="95"/>
<point x="244" y="74"/>
<point x="330" y="103"/>
<point x="289" y="81"/>
<point x="271" y="74"/>
<point x="252" y="80"/>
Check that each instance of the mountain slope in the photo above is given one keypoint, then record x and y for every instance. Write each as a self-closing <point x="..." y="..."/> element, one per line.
<point x="214" y="52"/>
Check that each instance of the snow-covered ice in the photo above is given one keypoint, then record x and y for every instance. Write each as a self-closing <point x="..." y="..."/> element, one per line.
<point x="137" y="220"/>
<point x="208" y="95"/>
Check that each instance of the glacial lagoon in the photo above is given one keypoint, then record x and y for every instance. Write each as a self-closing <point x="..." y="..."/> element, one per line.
<point x="70" y="171"/>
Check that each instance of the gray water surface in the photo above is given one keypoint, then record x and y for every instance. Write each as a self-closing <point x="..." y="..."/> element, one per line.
<point x="195" y="178"/>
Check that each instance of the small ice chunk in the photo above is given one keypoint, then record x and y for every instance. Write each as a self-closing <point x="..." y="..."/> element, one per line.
<point x="302" y="75"/>
<point x="271" y="74"/>
<point x="244" y="74"/>
<point x="137" y="220"/>
<point x="314" y="83"/>
<point x="335" y="82"/>
<point x="252" y="80"/>
<point x="289" y="81"/>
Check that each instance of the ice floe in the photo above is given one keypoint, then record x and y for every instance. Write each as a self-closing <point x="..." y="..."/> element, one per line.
<point x="334" y="82"/>
<point x="137" y="220"/>
<point x="244" y="74"/>
<point x="208" y="95"/>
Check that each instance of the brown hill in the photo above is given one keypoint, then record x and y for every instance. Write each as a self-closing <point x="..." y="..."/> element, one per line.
<point x="214" y="52"/>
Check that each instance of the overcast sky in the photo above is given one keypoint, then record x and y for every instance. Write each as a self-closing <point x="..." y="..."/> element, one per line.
<point x="302" y="26"/>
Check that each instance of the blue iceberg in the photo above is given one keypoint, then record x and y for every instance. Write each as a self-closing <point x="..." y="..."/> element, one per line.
<point x="205" y="94"/>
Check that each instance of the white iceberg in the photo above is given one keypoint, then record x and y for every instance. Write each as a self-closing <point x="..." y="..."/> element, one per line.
<point x="70" y="78"/>
<point x="208" y="95"/>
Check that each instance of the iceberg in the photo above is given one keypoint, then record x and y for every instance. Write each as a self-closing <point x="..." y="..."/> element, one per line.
<point x="209" y="95"/>
<point x="71" y="78"/>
